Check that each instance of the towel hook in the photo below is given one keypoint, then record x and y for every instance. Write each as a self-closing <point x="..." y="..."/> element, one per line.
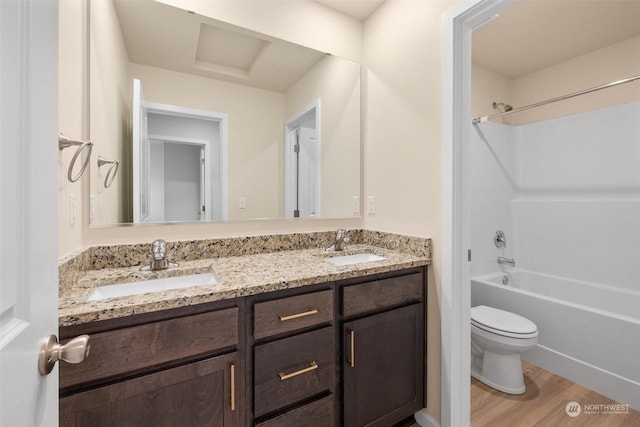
<point x="111" y="173"/>
<point x="66" y="142"/>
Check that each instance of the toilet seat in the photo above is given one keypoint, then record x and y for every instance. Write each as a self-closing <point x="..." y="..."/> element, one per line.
<point x="502" y="322"/>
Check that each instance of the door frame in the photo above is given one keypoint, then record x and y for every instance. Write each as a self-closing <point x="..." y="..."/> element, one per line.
<point x="459" y="22"/>
<point x="207" y="178"/>
<point x="289" y="159"/>
<point x="174" y="110"/>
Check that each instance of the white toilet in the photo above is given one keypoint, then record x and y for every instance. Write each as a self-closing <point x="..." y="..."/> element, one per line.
<point x="497" y="339"/>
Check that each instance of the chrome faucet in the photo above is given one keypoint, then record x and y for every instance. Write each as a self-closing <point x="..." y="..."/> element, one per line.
<point x="508" y="261"/>
<point x="159" y="260"/>
<point x="340" y="244"/>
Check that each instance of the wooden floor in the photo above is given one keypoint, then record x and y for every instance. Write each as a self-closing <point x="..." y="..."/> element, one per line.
<point x="544" y="404"/>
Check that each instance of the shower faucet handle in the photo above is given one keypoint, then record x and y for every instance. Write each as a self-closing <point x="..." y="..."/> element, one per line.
<point x="499" y="239"/>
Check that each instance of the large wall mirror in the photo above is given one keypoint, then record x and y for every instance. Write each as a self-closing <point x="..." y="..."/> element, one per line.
<point x="212" y="122"/>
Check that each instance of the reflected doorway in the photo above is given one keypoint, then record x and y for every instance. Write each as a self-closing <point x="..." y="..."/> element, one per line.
<point x="302" y="163"/>
<point x="179" y="179"/>
<point x="179" y="162"/>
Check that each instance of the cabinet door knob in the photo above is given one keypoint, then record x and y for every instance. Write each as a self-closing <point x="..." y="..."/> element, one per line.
<point x="75" y="351"/>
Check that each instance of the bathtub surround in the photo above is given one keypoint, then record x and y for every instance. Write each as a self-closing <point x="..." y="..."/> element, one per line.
<point x="566" y="192"/>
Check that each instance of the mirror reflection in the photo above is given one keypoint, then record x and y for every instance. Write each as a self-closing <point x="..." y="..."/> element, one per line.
<point x="212" y="122"/>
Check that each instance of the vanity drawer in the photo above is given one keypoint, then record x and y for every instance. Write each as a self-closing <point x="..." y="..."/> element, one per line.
<point x="292" y="313"/>
<point x="315" y="414"/>
<point x="292" y="369"/>
<point x="382" y="293"/>
<point x="131" y="349"/>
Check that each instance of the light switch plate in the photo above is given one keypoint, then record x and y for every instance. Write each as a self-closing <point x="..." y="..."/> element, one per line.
<point x="73" y="208"/>
<point x="371" y="205"/>
<point x="356" y="205"/>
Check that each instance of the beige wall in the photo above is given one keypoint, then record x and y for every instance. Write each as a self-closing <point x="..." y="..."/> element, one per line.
<point x="72" y="115"/>
<point x="110" y="115"/>
<point x="402" y="134"/>
<point x="488" y="87"/>
<point x="255" y="149"/>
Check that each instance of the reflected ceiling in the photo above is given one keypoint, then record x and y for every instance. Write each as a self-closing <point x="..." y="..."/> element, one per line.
<point x="156" y="36"/>
<point x="358" y="9"/>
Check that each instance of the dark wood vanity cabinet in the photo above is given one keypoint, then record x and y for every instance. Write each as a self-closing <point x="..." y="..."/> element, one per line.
<point x="347" y="353"/>
<point x="182" y="367"/>
<point x="294" y="354"/>
<point x="383" y="338"/>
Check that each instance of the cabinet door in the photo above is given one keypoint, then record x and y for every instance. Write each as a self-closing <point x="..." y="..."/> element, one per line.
<point x="204" y="393"/>
<point x="383" y="367"/>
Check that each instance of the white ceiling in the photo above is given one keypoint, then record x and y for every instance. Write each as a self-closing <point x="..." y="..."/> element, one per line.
<point x="358" y="9"/>
<point x="532" y="35"/>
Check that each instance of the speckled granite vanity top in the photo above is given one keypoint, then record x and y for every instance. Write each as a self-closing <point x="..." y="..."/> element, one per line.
<point x="271" y="266"/>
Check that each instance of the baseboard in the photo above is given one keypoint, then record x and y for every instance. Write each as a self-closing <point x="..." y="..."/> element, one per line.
<point x="425" y="420"/>
<point x="607" y="383"/>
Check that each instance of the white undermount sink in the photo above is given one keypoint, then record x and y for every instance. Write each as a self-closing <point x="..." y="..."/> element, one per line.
<point x="153" y="285"/>
<point x="353" y="259"/>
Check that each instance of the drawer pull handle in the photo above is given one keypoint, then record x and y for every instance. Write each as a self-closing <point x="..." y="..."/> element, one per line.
<point x="352" y="339"/>
<point x="233" y="387"/>
<point x="297" y="315"/>
<point x="312" y="367"/>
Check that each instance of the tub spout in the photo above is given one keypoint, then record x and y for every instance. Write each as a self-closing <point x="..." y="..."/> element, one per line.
<point x="508" y="261"/>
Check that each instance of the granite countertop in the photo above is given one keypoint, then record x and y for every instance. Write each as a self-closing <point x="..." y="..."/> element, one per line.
<point x="237" y="276"/>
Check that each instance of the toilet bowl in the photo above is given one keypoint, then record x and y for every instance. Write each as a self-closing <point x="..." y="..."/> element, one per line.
<point x="498" y="338"/>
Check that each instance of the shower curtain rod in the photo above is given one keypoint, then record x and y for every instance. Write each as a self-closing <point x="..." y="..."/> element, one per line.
<point x="559" y="98"/>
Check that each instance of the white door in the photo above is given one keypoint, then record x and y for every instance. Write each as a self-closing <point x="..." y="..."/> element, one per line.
<point x="140" y="155"/>
<point x="180" y="179"/>
<point x="302" y="163"/>
<point x="308" y="173"/>
<point x="183" y="181"/>
<point x="28" y="223"/>
<point x="204" y="208"/>
<point x="156" y="128"/>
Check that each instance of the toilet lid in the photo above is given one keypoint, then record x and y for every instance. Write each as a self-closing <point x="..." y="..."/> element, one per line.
<point x="502" y="322"/>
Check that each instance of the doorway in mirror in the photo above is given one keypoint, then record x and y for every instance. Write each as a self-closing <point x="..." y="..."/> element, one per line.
<point x="179" y="162"/>
<point x="302" y="163"/>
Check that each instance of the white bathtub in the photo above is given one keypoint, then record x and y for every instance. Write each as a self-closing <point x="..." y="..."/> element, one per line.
<point x="588" y="333"/>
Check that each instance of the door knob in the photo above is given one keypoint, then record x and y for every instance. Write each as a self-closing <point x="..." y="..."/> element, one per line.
<point x="75" y="351"/>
